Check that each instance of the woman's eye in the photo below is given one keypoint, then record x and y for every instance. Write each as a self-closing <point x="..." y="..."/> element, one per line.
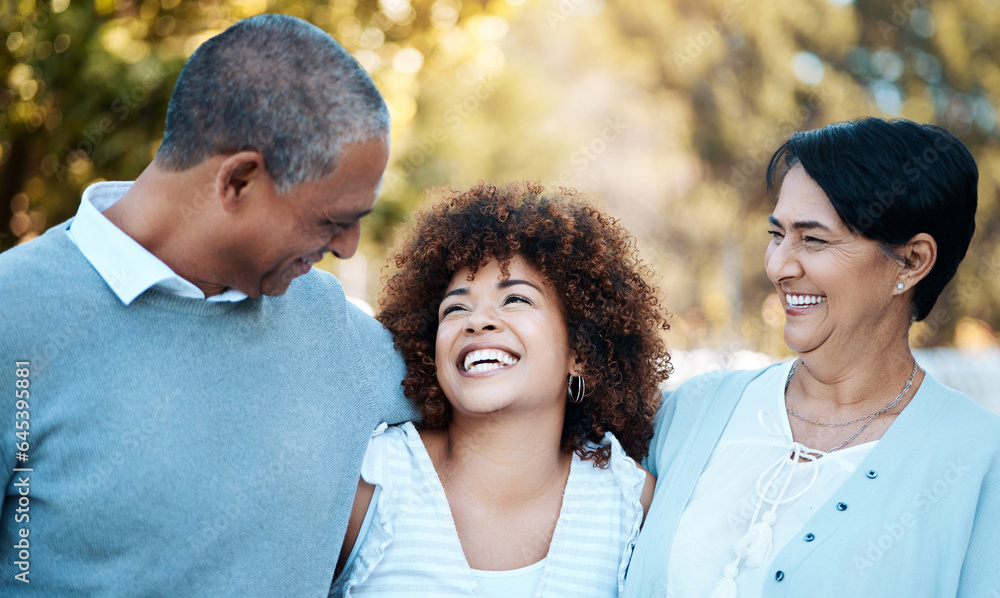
<point x="813" y="240"/>
<point x="776" y="235"/>
<point x="451" y="309"/>
<point x="515" y="299"/>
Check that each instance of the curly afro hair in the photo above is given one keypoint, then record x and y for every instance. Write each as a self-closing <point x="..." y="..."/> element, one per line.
<point x="613" y="314"/>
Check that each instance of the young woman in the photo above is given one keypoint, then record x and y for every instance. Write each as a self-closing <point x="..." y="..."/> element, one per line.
<point x="532" y="340"/>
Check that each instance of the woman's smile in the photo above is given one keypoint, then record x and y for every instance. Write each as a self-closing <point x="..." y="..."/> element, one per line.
<point x="799" y="304"/>
<point x="483" y="361"/>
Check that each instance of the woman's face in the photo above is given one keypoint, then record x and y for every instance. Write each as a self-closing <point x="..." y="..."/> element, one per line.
<point x="836" y="287"/>
<point x="502" y="345"/>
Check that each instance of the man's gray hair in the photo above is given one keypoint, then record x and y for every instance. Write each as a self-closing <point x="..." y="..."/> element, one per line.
<point x="277" y="85"/>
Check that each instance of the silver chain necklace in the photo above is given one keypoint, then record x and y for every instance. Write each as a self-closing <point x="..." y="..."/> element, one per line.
<point x="870" y="417"/>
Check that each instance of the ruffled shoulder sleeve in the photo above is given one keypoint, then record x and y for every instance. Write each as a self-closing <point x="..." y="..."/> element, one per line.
<point x="375" y="467"/>
<point x="388" y="446"/>
<point x="631" y="479"/>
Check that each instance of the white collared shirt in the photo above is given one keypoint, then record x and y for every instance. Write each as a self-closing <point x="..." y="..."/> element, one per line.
<point x="127" y="267"/>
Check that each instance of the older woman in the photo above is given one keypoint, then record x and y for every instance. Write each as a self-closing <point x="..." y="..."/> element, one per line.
<point x="848" y="471"/>
<point x="532" y="342"/>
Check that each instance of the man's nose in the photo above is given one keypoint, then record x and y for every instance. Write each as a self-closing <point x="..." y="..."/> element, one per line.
<point x="344" y="243"/>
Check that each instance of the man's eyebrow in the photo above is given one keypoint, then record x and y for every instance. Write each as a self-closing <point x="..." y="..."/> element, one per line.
<point x="800" y="225"/>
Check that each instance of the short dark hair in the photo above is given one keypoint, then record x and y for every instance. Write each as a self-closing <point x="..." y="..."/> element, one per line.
<point x="614" y="314"/>
<point x="890" y="180"/>
<point x="277" y="85"/>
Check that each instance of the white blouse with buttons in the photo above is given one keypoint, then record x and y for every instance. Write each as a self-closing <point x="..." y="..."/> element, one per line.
<point x="752" y="498"/>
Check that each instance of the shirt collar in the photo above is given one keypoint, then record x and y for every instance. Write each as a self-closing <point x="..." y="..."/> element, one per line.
<point x="127" y="267"/>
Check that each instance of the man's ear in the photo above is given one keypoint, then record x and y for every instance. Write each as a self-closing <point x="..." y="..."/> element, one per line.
<point x="920" y="254"/>
<point x="237" y="175"/>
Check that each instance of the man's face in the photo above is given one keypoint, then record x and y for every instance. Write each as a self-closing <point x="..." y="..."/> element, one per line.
<point x="283" y="235"/>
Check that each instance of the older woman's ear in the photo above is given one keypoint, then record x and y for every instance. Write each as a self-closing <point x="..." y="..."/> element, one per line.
<point x="920" y="254"/>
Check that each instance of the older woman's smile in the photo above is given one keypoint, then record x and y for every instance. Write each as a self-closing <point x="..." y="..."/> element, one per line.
<point x="799" y="304"/>
<point x="798" y="300"/>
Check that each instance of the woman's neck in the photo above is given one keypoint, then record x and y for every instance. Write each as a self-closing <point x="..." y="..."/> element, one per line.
<point x="846" y="387"/>
<point x="862" y="380"/>
<point x="504" y="477"/>
<point x="500" y="457"/>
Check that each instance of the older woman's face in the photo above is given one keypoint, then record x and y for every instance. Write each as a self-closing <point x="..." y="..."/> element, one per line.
<point x="836" y="287"/>
<point x="502" y="344"/>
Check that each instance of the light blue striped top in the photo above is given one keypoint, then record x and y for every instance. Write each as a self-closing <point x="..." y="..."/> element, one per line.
<point x="412" y="546"/>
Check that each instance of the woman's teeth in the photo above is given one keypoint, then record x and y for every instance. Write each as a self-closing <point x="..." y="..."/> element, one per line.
<point x="804" y="299"/>
<point x="488" y="359"/>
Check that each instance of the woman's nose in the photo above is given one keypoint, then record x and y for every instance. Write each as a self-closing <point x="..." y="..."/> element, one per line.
<point x="483" y="318"/>
<point x="780" y="262"/>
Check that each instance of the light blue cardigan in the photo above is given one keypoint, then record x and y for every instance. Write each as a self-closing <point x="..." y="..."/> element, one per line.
<point x="919" y="517"/>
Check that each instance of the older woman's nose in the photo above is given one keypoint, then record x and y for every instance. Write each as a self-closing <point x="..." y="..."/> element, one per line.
<point x="781" y="263"/>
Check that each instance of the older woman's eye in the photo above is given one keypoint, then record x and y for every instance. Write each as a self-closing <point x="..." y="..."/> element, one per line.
<point x="813" y="240"/>
<point x="775" y="235"/>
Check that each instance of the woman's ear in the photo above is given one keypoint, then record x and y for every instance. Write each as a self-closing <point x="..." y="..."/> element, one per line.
<point x="920" y="254"/>
<point x="236" y="175"/>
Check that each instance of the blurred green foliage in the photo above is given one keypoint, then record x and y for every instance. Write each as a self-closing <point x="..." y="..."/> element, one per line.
<point x="667" y="111"/>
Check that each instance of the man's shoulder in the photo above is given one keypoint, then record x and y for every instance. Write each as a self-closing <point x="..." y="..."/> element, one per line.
<point x="316" y="286"/>
<point x="41" y="270"/>
<point x="43" y="249"/>
<point x="321" y="290"/>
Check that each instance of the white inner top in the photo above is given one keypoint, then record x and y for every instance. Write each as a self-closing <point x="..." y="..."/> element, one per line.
<point x="515" y="582"/>
<point x="412" y="547"/>
<point x="749" y="475"/>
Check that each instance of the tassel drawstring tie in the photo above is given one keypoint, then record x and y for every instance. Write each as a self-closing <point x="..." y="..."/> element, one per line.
<point x="754" y="548"/>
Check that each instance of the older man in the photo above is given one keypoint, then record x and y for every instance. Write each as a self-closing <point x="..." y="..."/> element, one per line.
<point x="174" y="423"/>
